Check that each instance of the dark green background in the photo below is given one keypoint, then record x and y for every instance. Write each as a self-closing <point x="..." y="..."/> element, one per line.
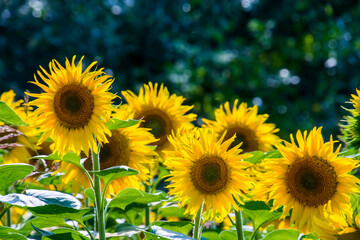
<point x="299" y="60"/>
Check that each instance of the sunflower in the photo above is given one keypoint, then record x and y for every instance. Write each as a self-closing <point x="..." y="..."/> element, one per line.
<point x="126" y="146"/>
<point x="336" y="227"/>
<point x="205" y="169"/>
<point x="249" y="127"/>
<point x="74" y="107"/>
<point x="350" y="130"/>
<point x="16" y="139"/>
<point x="310" y="179"/>
<point x="161" y="112"/>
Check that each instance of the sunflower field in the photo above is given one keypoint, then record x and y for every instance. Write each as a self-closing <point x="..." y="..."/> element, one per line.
<point x="77" y="166"/>
<point x="184" y="119"/>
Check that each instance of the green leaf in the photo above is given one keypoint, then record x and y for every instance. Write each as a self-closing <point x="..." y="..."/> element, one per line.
<point x="210" y="235"/>
<point x="172" y="210"/>
<point x="183" y="227"/>
<point x="89" y="192"/>
<point x="70" y="157"/>
<point x="256" y="205"/>
<point x="55" y="197"/>
<point x="258" y="156"/>
<point x="112" y="173"/>
<point x="309" y="236"/>
<point x="228" y="235"/>
<point x="127" y="229"/>
<point x="282" y="234"/>
<point x="11" y="173"/>
<point x="66" y="233"/>
<point x="125" y="197"/>
<point x="12" y="236"/>
<point x="50" y="178"/>
<point x="259" y="213"/>
<point x="114" y="123"/>
<point x="9" y="116"/>
<point x="42" y="222"/>
<point x="52" y="210"/>
<point x="151" y="197"/>
<point x="152" y="236"/>
<point x="21" y="200"/>
<point x="42" y="232"/>
<point x="164" y="234"/>
<point x="9" y="230"/>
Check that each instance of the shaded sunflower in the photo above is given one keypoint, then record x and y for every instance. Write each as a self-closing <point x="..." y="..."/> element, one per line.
<point x="338" y="227"/>
<point x="161" y="112"/>
<point x="205" y="169"/>
<point x="74" y="107"/>
<point x="310" y="179"/>
<point x="17" y="140"/>
<point x="126" y="146"/>
<point x="350" y="129"/>
<point x="249" y="127"/>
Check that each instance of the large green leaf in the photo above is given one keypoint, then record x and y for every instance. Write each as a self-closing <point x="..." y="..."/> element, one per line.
<point x="183" y="227"/>
<point x="282" y="234"/>
<point x="127" y="229"/>
<point x="55" y="197"/>
<point x="125" y="197"/>
<point x="36" y="198"/>
<point x="21" y="200"/>
<point x="70" y="157"/>
<point x="211" y="235"/>
<point x="65" y="234"/>
<point x="139" y="197"/>
<point x="9" y="230"/>
<point x="258" y="156"/>
<point x="42" y="222"/>
<point x="149" y="198"/>
<point x="259" y="213"/>
<point x="52" y="210"/>
<point x="117" y="123"/>
<point x="112" y="173"/>
<point x="9" y="116"/>
<point x="172" y="210"/>
<point x="10" y="173"/>
<point x="164" y="234"/>
<point x="12" y="236"/>
<point x="152" y="236"/>
<point x="50" y="179"/>
<point x="228" y="235"/>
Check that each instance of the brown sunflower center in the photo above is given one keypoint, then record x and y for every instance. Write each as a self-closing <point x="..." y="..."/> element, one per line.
<point x="210" y="174"/>
<point x="74" y="105"/>
<point x="159" y="123"/>
<point x="350" y="236"/>
<point x="312" y="181"/>
<point x="114" y="153"/>
<point x="244" y="135"/>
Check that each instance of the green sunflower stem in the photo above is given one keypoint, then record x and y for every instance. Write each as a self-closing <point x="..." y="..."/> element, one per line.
<point x="239" y="225"/>
<point x="99" y="209"/>
<point x="8" y="218"/>
<point x="147" y="208"/>
<point x="197" y="223"/>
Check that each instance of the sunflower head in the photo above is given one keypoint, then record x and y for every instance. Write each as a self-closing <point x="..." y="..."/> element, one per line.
<point x="205" y="169"/>
<point x="338" y="227"/>
<point x="126" y="146"/>
<point x="309" y="181"/>
<point x="246" y="124"/>
<point x="74" y="106"/>
<point x="17" y="140"/>
<point x="350" y="128"/>
<point x="162" y="113"/>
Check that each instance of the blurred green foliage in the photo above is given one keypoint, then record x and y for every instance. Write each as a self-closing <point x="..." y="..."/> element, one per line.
<point x="297" y="60"/>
